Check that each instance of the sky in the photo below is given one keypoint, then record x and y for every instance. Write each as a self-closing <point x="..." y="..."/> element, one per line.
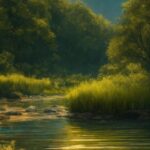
<point x="111" y="9"/>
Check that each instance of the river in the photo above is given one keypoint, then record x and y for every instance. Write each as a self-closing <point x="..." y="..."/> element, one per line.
<point x="62" y="133"/>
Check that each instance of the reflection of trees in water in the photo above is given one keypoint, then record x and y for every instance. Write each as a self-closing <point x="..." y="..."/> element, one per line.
<point x="7" y="146"/>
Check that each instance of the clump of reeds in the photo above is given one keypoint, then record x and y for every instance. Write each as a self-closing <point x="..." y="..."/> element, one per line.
<point x="25" y="85"/>
<point x="112" y="94"/>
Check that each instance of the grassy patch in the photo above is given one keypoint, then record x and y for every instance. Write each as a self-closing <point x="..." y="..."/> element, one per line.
<point x="26" y="85"/>
<point x="10" y="146"/>
<point x="15" y="85"/>
<point x="112" y="94"/>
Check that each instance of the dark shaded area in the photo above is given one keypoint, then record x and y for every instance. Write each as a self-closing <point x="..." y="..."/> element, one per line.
<point x="51" y="37"/>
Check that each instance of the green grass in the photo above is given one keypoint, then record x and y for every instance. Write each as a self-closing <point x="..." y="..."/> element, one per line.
<point x="10" y="146"/>
<point x="25" y="85"/>
<point x="111" y="94"/>
<point x="13" y="84"/>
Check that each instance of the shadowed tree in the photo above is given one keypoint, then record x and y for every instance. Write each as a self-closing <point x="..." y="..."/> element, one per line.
<point x="131" y="42"/>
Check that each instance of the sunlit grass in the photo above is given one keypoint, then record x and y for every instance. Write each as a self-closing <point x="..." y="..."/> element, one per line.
<point x="10" y="146"/>
<point x="112" y="94"/>
<point x="22" y="84"/>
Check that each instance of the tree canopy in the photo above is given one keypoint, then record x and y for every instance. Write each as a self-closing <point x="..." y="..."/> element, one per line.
<point x="53" y="36"/>
<point x="130" y="45"/>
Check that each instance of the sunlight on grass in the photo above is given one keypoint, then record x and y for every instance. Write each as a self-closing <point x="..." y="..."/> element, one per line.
<point x="112" y="94"/>
<point x="10" y="146"/>
<point x="22" y="84"/>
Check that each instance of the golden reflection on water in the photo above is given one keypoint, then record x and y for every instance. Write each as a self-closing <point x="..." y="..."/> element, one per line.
<point x="32" y="132"/>
<point x="64" y="135"/>
<point x="78" y="138"/>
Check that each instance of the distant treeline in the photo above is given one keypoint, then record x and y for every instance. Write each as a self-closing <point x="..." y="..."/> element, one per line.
<point x="51" y="37"/>
<point x="129" y="49"/>
<point x="110" y="9"/>
<point x="57" y="37"/>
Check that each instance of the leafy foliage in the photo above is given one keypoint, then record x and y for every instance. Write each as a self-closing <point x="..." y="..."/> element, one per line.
<point x="50" y="36"/>
<point x="131" y="43"/>
<point x="124" y="83"/>
<point x="26" y="33"/>
<point x="6" y="62"/>
<point x="83" y="39"/>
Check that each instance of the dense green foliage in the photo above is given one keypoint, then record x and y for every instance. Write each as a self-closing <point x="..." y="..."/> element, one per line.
<point x="48" y="37"/>
<point x="108" y="8"/>
<point x="6" y="62"/>
<point x="124" y="83"/>
<point x="26" y="33"/>
<point x="131" y="42"/>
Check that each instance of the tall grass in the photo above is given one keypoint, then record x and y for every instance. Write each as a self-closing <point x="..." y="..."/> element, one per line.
<point x="22" y="84"/>
<point x="17" y="83"/>
<point x="112" y="94"/>
<point x="10" y="146"/>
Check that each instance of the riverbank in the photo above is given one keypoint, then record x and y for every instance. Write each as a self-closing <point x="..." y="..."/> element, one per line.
<point x="56" y="106"/>
<point x="33" y="108"/>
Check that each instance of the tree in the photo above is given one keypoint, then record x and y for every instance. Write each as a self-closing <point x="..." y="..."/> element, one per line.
<point x="53" y="36"/>
<point x="131" y="42"/>
<point x="25" y="32"/>
<point x="6" y="62"/>
<point x="82" y="38"/>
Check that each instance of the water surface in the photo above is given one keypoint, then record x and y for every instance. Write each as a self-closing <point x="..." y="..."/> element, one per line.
<point x="67" y="134"/>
